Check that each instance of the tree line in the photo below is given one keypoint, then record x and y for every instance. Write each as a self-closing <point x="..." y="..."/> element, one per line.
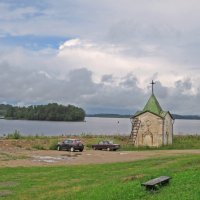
<point x="50" y="112"/>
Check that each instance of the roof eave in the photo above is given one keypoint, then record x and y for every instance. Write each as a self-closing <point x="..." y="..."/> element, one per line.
<point x="146" y="112"/>
<point x="170" y="115"/>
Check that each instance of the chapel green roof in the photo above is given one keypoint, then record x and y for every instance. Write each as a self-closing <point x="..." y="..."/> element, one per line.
<point x="153" y="106"/>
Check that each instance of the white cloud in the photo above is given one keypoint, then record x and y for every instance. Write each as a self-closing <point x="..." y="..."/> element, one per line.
<point x="104" y="59"/>
<point x="70" y="77"/>
<point x="115" y="50"/>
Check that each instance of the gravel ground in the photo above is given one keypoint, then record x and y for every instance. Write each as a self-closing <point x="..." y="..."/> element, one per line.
<point x="14" y="156"/>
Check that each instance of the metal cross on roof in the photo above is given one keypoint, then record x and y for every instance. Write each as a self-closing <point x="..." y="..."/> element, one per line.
<point x="152" y="83"/>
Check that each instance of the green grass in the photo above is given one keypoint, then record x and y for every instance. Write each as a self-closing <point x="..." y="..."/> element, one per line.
<point x="16" y="135"/>
<point x="186" y="142"/>
<point x="179" y="142"/>
<point x="45" y="142"/>
<point x="38" y="147"/>
<point x="104" y="181"/>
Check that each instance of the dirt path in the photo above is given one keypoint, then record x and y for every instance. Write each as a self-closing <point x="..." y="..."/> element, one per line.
<point x="13" y="157"/>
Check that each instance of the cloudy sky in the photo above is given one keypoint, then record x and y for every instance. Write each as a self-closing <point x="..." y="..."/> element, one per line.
<point x="101" y="55"/>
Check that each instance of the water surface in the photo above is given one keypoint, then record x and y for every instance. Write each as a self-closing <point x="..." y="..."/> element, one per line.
<point x="93" y="125"/>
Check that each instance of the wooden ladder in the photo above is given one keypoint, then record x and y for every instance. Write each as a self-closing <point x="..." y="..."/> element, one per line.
<point x="134" y="132"/>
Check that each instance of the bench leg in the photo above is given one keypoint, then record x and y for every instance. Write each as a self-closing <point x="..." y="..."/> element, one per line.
<point x="151" y="188"/>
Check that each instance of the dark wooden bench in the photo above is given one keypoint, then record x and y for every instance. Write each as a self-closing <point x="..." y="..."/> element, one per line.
<point x="152" y="184"/>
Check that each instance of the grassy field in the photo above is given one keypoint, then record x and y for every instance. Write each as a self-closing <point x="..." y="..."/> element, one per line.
<point x="45" y="142"/>
<point x="119" y="181"/>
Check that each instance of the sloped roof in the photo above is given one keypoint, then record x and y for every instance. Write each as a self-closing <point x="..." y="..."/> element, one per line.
<point x="153" y="107"/>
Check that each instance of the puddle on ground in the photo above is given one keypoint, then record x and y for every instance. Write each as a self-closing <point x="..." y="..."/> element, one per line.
<point x="53" y="159"/>
<point x="72" y="155"/>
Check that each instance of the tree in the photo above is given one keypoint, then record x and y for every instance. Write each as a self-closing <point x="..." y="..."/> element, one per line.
<point x="51" y="112"/>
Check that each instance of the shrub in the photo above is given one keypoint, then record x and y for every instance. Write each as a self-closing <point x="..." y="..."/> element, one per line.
<point x="39" y="147"/>
<point x="16" y="135"/>
<point x="53" y="145"/>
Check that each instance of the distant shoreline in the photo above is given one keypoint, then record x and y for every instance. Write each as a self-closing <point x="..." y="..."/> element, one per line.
<point x="175" y="116"/>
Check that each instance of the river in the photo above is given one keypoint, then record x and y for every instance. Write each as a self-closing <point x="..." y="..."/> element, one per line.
<point x="92" y="125"/>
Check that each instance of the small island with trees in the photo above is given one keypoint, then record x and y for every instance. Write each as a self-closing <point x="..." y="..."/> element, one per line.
<point x="50" y="112"/>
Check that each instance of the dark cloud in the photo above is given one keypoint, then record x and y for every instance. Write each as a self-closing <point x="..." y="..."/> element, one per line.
<point x="179" y="99"/>
<point x="107" y="78"/>
<point x="161" y="91"/>
<point x="121" y="56"/>
<point x="184" y="85"/>
<point x="129" y="81"/>
<point x="27" y="86"/>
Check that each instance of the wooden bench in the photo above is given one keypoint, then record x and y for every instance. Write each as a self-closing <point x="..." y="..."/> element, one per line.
<point x="151" y="184"/>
